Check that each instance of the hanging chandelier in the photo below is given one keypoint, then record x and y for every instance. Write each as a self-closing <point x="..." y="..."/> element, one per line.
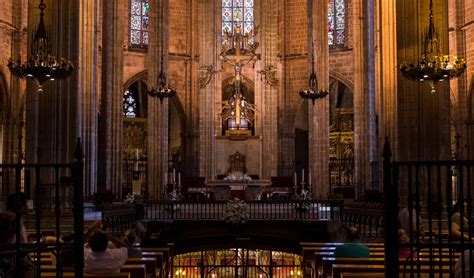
<point x="434" y="66"/>
<point x="312" y="92"/>
<point x="163" y="91"/>
<point x="41" y="65"/>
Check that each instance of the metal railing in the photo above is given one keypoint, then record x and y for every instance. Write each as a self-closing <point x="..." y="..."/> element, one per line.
<point x="253" y="210"/>
<point x="425" y="194"/>
<point x="19" y="252"/>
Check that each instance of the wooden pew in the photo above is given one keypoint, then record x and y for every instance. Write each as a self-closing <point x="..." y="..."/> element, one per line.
<point x="382" y="275"/>
<point x="337" y="269"/>
<point x="135" y="270"/>
<point x="327" y="262"/>
<point x="71" y="274"/>
<point x="150" y="264"/>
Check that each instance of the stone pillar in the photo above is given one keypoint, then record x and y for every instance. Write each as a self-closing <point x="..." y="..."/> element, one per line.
<point x="157" y="111"/>
<point x="423" y="128"/>
<point x="67" y="108"/>
<point x="269" y="95"/>
<point x="460" y="86"/>
<point x="387" y="74"/>
<point x="318" y="114"/>
<point x="111" y="104"/>
<point x="209" y="38"/>
<point x="364" y="92"/>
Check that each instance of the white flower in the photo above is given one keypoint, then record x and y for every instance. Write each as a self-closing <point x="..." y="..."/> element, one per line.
<point x="245" y="179"/>
<point x="174" y="195"/>
<point x="230" y="178"/>
<point x="236" y="212"/>
<point x="129" y="198"/>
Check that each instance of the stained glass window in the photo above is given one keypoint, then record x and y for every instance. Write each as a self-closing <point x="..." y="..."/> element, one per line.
<point x="130" y="108"/>
<point x="237" y="13"/>
<point x="336" y="23"/>
<point x="139" y="23"/>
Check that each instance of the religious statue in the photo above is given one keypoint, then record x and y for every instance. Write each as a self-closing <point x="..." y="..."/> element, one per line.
<point x="238" y="51"/>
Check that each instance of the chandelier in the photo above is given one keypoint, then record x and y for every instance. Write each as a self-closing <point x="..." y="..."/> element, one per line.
<point x="312" y="92"/>
<point x="434" y="66"/>
<point x="163" y="90"/>
<point x="41" y="65"/>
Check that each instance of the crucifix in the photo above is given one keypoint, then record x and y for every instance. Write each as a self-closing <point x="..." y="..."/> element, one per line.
<point x="238" y="51"/>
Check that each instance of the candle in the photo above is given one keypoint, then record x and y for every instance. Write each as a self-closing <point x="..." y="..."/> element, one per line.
<point x="179" y="178"/>
<point x="296" y="179"/>
<point x="302" y="175"/>
<point x="136" y="154"/>
<point x="174" y="175"/>
<point x="309" y="177"/>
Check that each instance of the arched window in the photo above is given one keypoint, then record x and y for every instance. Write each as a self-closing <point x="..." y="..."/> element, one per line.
<point x="134" y="100"/>
<point x="337" y="23"/>
<point x="130" y="107"/>
<point x="237" y="13"/>
<point x="139" y="23"/>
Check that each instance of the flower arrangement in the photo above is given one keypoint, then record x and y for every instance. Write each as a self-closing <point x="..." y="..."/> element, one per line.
<point x="230" y="178"/>
<point x="130" y="198"/>
<point x="302" y="206"/>
<point x="236" y="212"/>
<point x="245" y="178"/>
<point x="174" y="195"/>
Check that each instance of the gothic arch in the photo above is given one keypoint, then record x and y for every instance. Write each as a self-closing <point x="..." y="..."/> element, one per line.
<point x="4" y="100"/>
<point x="143" y="75"/>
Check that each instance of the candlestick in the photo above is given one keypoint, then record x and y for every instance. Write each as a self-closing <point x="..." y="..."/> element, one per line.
<point x="309" y="178"/>
<point x="296" y="179"/>
<point x="302" y="175"/>
<point x="174" y="176"/>
<point x="179" y="178"/>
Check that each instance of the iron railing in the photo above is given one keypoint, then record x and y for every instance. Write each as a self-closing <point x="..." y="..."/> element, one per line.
<point x="255" y="210"/>
<point x="18" y="253"/>
<point x="428" y="192"/>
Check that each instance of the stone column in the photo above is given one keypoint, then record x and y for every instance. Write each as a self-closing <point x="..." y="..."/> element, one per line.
<point x="459" y="87"/>
<point x="387" y="74"/>
<point x="423" y="128"/>
<point x="68" y="108"/>
<point x="157" y="112"/>
<point x="318" y="114"/>
<point x="269" y="97"/>
<point x="111" y="104"/>
<point x="208" y="39"/>
<point x="364" y="92"/>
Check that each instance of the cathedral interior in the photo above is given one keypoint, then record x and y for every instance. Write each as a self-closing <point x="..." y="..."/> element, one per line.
<point x="313" y="114"/>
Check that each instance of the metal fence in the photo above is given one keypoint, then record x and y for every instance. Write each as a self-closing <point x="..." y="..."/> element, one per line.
<point x="17" y="256"/>
<point x="432" y="201"/>
<point x="247" y="210"/>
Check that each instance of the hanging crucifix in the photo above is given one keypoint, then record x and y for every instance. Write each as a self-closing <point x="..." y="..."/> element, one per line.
<point x="238" y="50"/>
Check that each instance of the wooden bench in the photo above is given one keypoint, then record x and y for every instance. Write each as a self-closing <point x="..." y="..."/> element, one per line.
<point x="71" y="274"/>
<point x="150" y="264"/>
<point x="337" y="269"/>
<point x="135" y="270"/>
<point x="382" y="275"/>
<point x="327" y="262"/>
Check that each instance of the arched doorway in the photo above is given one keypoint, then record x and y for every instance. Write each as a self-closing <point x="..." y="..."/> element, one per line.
<point x="134" y="162"/>
<point x="341" y="137"/>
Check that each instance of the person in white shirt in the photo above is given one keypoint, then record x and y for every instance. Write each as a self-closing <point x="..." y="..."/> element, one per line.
<point x="100" y="257"/>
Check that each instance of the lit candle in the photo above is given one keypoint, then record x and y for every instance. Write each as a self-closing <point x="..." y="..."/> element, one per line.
<point x="296" y="179"/>
<point x="302" y="175"/>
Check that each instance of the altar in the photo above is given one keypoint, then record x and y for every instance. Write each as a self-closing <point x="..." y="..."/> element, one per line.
<point x="238" y="185"/>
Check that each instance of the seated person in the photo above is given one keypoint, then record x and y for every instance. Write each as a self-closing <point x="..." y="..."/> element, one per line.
<point x="66" y="255"/>
<point x="129" y="239"/>
<point x="99" y="257"/>
<point x="456" y="229"/>
<point x="405" y="252"/>
<point x="352" y="248"/>
<point x="404" y="219"/>
<point x="16" y="203"/>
